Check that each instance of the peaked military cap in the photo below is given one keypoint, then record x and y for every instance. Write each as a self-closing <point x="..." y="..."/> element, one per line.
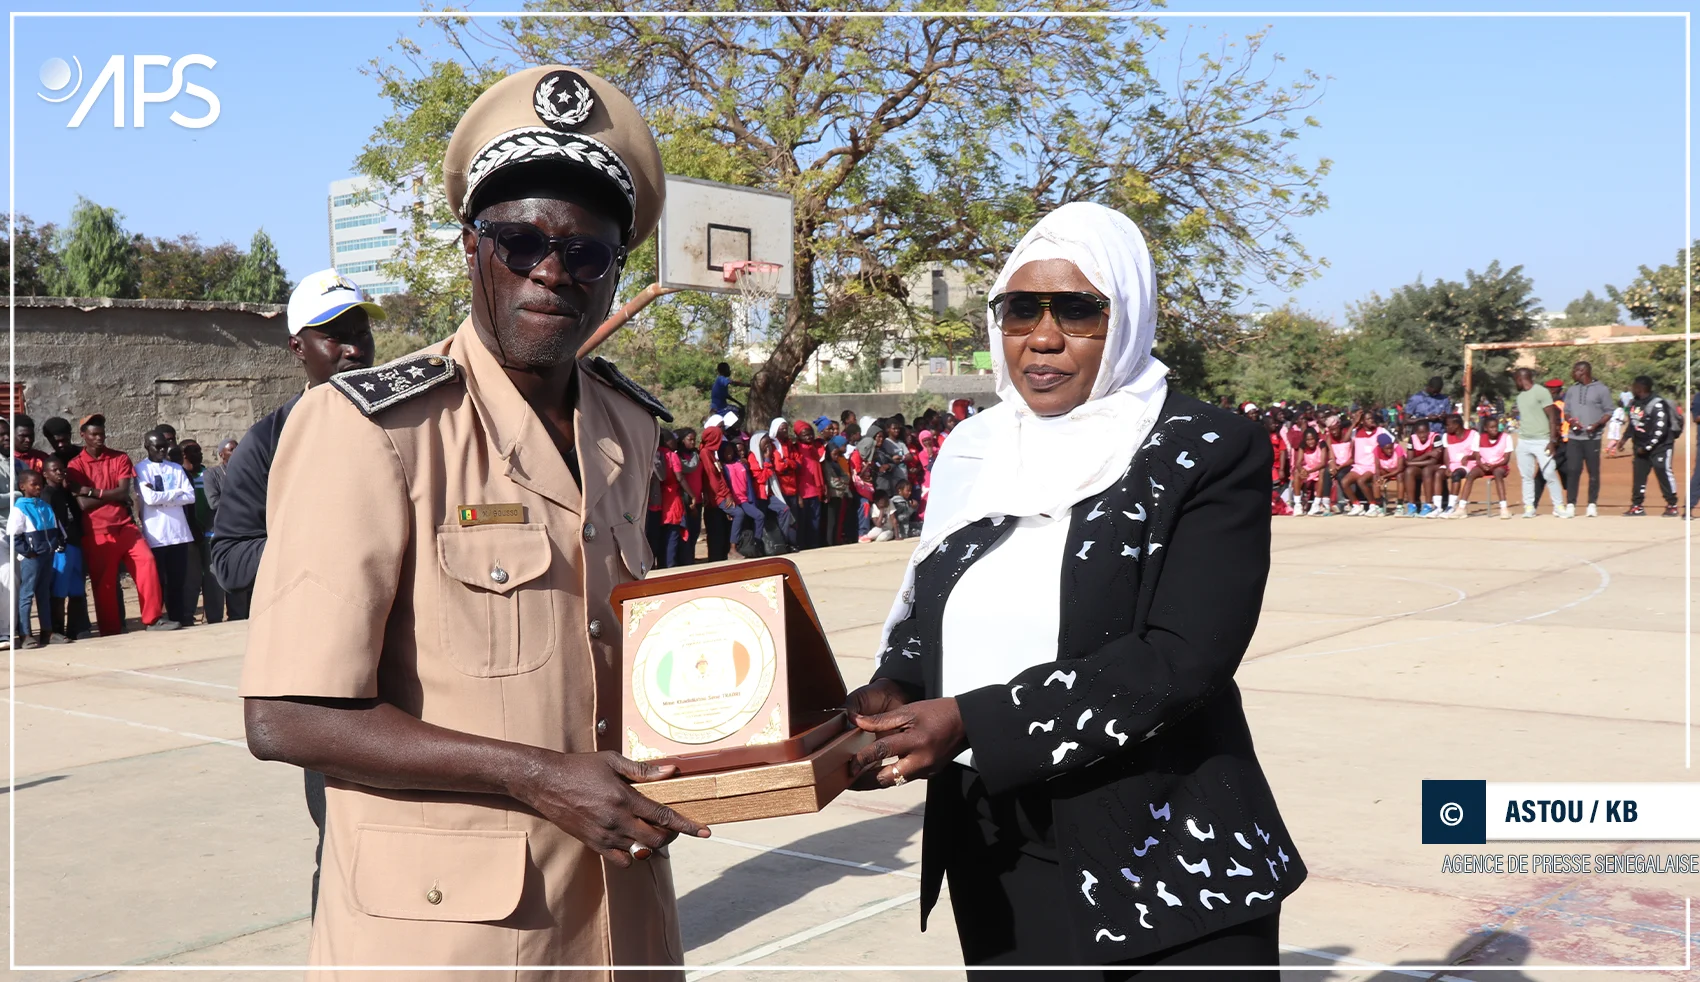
<point x="553" y="113"/>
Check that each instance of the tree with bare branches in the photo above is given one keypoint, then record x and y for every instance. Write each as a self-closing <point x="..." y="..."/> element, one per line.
<point x="910" y="140"/>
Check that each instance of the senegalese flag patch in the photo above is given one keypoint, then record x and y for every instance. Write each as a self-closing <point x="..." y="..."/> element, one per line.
<point x="503" y="514"/>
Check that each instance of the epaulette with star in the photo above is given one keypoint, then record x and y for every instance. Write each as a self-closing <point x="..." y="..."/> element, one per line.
<point x="382" y="386"/>
<point x="606" y="371"/>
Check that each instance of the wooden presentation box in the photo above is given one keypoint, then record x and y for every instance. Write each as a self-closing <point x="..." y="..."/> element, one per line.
<point x="727" y="675"/>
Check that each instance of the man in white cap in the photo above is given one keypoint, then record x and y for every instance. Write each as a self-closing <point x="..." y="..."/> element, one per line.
<point x="330" y="331"/>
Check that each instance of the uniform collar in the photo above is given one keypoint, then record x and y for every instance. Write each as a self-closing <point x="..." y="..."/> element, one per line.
<point x="524" y="442"/>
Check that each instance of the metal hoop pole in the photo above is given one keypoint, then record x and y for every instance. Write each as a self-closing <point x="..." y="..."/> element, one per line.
<point x="627" y="311"/>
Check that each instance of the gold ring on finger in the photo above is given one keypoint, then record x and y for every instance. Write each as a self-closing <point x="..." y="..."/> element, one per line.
<point x="897" y="778"/>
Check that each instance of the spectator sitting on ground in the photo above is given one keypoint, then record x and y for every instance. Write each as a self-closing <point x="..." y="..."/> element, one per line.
<point x="882" y="520"/>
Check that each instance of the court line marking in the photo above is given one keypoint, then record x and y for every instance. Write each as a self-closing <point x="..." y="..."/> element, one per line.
<point x="792" y="940"/>
<point x="1603" y="585"/>
<point x="145" y="675"/>
<point x="830" y="860"/>
<point x="240" y="745"/>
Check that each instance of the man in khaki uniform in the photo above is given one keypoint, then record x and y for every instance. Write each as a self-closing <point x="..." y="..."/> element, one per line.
<point x="431" y="625"/>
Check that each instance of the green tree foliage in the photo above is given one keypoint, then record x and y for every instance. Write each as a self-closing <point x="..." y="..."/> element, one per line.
<point x="37" y="264"/>
<point x="416" y="317"/>
<point x="258" y="277"/>
<point x="1588" y="310"/>
<point x="1286" y="354"/>
<point x="1429" y="323"/>
<point x="1656" y="296"/>
<point x="906" y="141"/>
<point x="96" y="256"/>
<point x="183" y="268"/>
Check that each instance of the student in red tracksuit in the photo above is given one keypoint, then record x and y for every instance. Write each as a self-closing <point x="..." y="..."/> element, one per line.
<point x="764" y="484"/>
<point x="782" y="460"/>
<point x="717" y="505"/>
<point x="111" y="539"/>
<point x="811" y="485"/>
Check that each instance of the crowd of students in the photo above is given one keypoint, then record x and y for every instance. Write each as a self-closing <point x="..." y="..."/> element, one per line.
<point x="1423" y="459"/>
<point x="77" y="514"/>
<point x="790" y="485"/>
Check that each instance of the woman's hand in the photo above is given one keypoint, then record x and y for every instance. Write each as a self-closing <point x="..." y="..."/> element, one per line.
<point x="878" y="696"/>
<point x="923" y="736"/>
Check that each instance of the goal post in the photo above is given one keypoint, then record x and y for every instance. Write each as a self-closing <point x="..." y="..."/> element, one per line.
<point x="1471" y="349"/>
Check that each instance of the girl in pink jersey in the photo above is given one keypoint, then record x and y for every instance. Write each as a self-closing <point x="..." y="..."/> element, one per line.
<point x="1389" y="458"/>
<point x="1360" y="481"/>
<point x="1422" y="472"/>
<point x="1490" y="461"/>
<point x="1459" y="446"/>
<point x="1339" y="462"/>
<point x="1310" y="463"/>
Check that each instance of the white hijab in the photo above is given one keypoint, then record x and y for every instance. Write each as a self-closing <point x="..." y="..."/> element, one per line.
<point x="1009" y="461"/>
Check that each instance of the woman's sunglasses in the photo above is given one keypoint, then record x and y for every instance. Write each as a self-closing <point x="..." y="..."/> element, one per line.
<point x="520" y="246"/>
<point x="1078" y="315"/>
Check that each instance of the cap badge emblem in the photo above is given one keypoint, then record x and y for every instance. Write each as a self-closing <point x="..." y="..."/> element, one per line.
<point x="563" y="100"/>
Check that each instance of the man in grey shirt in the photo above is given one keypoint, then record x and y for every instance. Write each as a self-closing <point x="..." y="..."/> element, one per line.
<point x="1587" y="407"/>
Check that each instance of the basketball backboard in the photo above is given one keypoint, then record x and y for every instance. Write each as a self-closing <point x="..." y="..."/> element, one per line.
<point x="706" y="225"/>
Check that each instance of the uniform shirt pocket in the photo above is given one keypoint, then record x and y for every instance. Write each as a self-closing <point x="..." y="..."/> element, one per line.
<point x="496" y="607"/>
<point x="437" y="874"/>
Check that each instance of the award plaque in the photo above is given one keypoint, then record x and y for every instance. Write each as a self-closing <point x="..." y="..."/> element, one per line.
<point x="727" y="675"/>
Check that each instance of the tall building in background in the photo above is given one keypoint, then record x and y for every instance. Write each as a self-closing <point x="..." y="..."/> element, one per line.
<point x="363" y="235"/>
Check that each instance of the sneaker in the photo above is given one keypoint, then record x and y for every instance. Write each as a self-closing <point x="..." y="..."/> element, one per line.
<point x="1356" y="509"/>
<point x="1635" y="511"/>
<point x="1410" y="509"/>
<point x="1427" y="511"/>
<point x="1566" y="512"/>
<point x="1504" y="510"/>
<point x="1528" y="511"/>
<point x="1375" y="511"/>
<point x="1672" y="511"/>
<point x="1459" y="510"/>
<point x="1593" y="511"/>
<point x="1570" y="510"/>
<point x="1317" y="508"/>
<point x="163" y="625"/>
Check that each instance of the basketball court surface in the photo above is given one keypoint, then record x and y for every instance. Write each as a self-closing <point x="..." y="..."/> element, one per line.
<point x="1389" y="651"/>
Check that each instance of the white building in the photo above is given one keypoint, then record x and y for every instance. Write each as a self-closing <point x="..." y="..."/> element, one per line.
<point x="364" y="233"/>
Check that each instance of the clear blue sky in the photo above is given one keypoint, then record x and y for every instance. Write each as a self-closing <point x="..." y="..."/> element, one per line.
<point x="1554" y="143"/>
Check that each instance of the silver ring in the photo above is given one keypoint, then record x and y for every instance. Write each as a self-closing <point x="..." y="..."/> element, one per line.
<point x="897" y="778"/>
<point x="639" y="850"/>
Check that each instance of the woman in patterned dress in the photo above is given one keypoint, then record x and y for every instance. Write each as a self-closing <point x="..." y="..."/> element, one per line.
<point x="1059" y="662"/>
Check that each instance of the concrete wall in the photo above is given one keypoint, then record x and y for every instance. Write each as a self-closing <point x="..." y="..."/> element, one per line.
<point x="937" y="391"/>
<point x="209" y="369"/>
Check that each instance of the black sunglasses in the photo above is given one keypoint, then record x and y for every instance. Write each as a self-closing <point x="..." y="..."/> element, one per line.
<point x="1078" y="315"/>
<point x="520" y="246"/>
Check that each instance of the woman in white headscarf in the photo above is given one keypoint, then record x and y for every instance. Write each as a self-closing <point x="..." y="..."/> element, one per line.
<point x="1059" y="661"/>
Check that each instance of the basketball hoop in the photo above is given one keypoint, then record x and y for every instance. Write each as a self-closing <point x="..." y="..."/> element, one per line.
<point x="758" y="287"/>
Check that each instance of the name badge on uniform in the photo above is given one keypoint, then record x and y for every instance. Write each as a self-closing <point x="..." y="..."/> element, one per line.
<point x="513" y="514"/>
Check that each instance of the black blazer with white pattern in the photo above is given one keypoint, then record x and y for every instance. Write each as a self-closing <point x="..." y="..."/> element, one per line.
<point x="1163" y="820"/>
